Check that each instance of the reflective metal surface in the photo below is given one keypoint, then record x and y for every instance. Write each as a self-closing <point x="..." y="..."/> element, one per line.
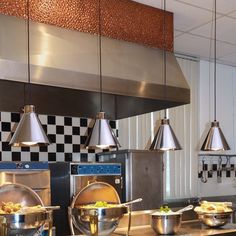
<point x="215" y="220"/>
<point x="97" y="191"/>
<point x="165" y="138"/>
<point x="136" y="163"/>
<point x="98" y="221"/>
<point x="215" y="139"/>
<point x="56" y="53"/>
<point x="102" y="136"/>
<point x="26" y="223"/>
<point x="166" y="224"/>
<point x="29" y="131"/>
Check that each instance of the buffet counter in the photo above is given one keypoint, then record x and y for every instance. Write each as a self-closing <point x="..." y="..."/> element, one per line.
<point x="191" y="228"/>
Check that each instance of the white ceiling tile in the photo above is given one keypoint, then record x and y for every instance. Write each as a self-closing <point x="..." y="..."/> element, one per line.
<point x="177" y="33"/>
<point x="229" y="58"/>
<point x="200" y="47"/>
<point x="186" y="17"/>
<point x="233" y="14"/>
<point x="223" y="6"/>
<point x="225" y="30"/>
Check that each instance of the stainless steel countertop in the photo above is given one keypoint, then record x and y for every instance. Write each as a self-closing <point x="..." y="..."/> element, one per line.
<point x="194" y="228"/>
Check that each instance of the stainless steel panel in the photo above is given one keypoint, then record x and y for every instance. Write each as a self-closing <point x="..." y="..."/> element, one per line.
<point x="68" y="59"/>
<point x="142" y="172"/>
<point x="32" y="179"/>
<point x="45" y="195"/>
<point x="79" y="182"/>
<point x="147" y="179"/>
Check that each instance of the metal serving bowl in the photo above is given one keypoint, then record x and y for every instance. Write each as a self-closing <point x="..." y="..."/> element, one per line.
<point x="215" y="220"/>
<point x="166" y="224"/>
<point x="97" y="221"/>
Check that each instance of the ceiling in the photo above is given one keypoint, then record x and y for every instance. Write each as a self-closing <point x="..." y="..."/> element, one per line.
<point x="194" y="29"/>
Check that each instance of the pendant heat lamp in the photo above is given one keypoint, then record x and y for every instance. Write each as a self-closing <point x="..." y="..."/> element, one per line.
<point x="29" y="131"/>
<point x="165" y="138"/>
<point x="215" y="139"/>
<point x="101" y="135"/>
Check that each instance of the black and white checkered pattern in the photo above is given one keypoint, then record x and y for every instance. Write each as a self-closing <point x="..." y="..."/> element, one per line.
<point x="67" y="135"/>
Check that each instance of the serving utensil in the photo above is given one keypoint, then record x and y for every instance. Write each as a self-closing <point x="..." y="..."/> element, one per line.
<point x="187" y="208"/>
<point x="130" y="202"/>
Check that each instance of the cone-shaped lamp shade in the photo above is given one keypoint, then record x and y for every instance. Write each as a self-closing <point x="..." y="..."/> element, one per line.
<point x="102" y="136"/>
<point x="29" y="131"/>
<point x="215" y="139"/>
<point x="165" y="138"/>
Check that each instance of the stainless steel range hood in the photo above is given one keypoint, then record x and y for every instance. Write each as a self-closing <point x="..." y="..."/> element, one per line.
<point x="61" y="58"/>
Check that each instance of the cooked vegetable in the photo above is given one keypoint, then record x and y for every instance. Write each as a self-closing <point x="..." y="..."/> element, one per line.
<point x="99" y="204"/>
<point x="165" y="209"/>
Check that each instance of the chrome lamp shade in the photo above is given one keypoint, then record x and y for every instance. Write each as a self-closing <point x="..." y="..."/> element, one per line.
<point x="29" y="131"/>
<point x="165" y="138"/>
<point x="102" y="136"/>
<point x="215" y="139"/>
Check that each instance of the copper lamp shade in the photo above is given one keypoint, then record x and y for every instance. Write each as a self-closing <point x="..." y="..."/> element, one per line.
<point x="215" y="139"/>
<point x="165" y="138"/>
<point x="29" y="131"/>
<point x="102" y="136"/>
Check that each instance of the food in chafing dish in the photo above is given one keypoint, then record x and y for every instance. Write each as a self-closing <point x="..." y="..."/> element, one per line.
<point x="213" y="207"/>
<point x="12" y="208"/>
<point x="99" y="204"/>
<point x="163" y="211"/>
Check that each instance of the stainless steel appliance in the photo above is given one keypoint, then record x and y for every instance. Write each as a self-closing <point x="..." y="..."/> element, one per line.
<point x="35" y="175"/>
<point x="142" y="174"/>
<point x="68" y="179"/>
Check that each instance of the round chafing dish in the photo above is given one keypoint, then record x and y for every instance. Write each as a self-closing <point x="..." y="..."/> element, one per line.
<point x="100" y="221"/>
<point x="24" y="223"/>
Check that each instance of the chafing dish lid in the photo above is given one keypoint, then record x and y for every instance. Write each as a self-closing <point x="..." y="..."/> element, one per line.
<point x="94" y="192"/>
<point x="18" y="193"/>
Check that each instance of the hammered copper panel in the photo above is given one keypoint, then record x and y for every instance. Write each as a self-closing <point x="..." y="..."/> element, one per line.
<point x="121" y="19"/>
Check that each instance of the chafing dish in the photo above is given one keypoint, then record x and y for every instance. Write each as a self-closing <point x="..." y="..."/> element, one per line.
<point x="22" y="223"/>
<point x="96" y="221"/>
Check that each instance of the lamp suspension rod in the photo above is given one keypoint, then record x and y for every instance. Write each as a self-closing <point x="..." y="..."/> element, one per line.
<point x="100" y="53"/>
<point x="215" y="67"/>
<point x="28" y="49"/>
<point x="164" y="45"/>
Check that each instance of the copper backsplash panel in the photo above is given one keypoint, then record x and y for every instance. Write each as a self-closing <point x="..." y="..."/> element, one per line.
<point x="121" y="19"/>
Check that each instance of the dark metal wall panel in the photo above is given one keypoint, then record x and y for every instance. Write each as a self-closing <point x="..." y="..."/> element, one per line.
<point x="52" y="100"/>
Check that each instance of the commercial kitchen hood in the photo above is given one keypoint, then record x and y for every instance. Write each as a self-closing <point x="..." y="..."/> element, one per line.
<point x="65" y="69"/>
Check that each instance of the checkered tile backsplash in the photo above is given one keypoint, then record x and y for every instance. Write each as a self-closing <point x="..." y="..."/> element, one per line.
<point x="67" y="135"/>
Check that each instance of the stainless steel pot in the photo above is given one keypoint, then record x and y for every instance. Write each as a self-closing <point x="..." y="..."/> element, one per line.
<point x="97" y="221"/>
<point x="215" y="220"/>
<point x="166" y="224"/>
